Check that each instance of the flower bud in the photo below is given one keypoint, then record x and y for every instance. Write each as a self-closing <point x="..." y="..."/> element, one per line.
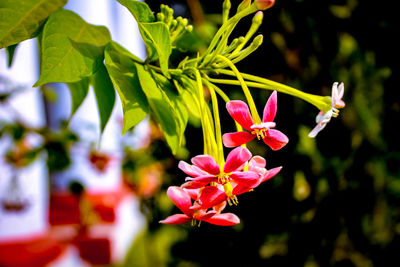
<point x="264" y="4"/>
<point x="258" y="17"/>
<point x="243" y="5"/>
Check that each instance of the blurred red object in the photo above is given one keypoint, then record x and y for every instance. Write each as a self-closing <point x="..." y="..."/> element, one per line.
<point x="96" y="250"/>
<point x="64" y="207"/>
<point x="33" y="252"/>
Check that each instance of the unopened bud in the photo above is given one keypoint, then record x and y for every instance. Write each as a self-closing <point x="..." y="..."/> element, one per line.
<point x="264" y="4"/>
<point x="257" y="41"/>
<point x="243" y="5"/>
<point x="226" y="7"/>
<point x="160" y="17"/>
<point x="258" y="17"/>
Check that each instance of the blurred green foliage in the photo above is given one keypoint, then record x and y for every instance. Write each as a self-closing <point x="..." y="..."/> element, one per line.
<point x="336" y="200"/>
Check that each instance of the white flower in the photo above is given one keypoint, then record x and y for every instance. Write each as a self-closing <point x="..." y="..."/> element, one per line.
<point x="324" y="117"/>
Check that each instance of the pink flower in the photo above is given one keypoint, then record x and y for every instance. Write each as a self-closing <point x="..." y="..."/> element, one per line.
<point x="214" y="195"/>
<point x="324" y="117"/>
<point x="264" y="4"/>
<point x="182" y="199"/>
<point x="205" y="170"/>
<point x="240" y="113"/>
<point x="257" y="164"/>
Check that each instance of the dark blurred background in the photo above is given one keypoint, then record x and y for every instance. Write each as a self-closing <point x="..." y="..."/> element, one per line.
<point x="336" y="200"/>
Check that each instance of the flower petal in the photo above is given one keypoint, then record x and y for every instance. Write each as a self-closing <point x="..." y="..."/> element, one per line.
<point x="237" y="139"/>
<point x="270" y="108"/>
<point x="176" y="219"/>
<point x="203" y="216"/>
<point x="193" y="193"/>
<point x="220" y="207"/>
<point x="248" y="178"/>
<point x="236" y="158"/>
<point x="257" y="161"/>
<point x="224" y="219"/>
<point x="181" y="199"/>
<point x="240" y="113"/>
<point x="276" y="139"/>
<point x="211" y="196"/>
<point x="317" y="129"/>
<point x="206" y="163"/>
<point x="271" y="173"/>
<point x="191" y="170"/>
<point x="198" y="182"/>
<point x="240" y="189"/>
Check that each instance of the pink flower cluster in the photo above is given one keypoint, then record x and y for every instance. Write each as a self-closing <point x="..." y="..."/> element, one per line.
<point x="209" y="186"/>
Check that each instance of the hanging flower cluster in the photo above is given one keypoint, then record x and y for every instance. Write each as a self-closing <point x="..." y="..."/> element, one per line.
<point x="214" y="181"/>
<point x="211" y="186"/>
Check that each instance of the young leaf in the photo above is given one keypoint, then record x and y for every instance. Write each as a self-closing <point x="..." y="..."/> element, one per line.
<point x="158" y="43"/>
<point x="105" y="95"/>
<point x="21" y="20"/>
<point x="122" y="70"/>
<point x="79" y="91"/>
<point x="141" y="11"/>
<point x="71" y="48"/>
<point x="161" y="106"/>
<point x="155" y="34"/>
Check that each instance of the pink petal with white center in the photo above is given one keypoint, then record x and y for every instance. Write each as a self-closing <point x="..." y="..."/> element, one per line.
<point x="237" y="139"/>
<point x="276" y="139"/>
<point x="248" y="178"/>
<point x="270" y="108"/>
<point x="240" y="113"/>
<point x="181" y="199"/>
<point x="224" y="219"/>
<point x="206" y="163"/>
<point x="176" y="219"/>
<point x="271" y="173"/>
<point x="191" y="170"/>
<point x="236" y="158"/>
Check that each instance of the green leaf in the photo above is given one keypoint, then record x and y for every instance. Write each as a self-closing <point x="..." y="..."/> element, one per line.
<point x="105" y="95"/>
<point x="155" y="34"/>
<point x="71" y="48"/>
<point x="141" y="11"/>
<point x="162" y="108"/>
<point x="79" y="91"/>
<point x="177" y="103"/>
<point x="158" y="43"/>
<point x="122" y="70"/>
<point x="21" y="20"/>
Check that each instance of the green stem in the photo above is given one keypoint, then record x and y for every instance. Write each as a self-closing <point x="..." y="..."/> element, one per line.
<point x="224" y="97"/>
<point x="217" y="123"/>
<point x="201" y="104"/>
<point x="210" y="147"/>
<point x="246" y="91"/>
<point x="321" y="102"/>
<point x="227" y="26"/>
